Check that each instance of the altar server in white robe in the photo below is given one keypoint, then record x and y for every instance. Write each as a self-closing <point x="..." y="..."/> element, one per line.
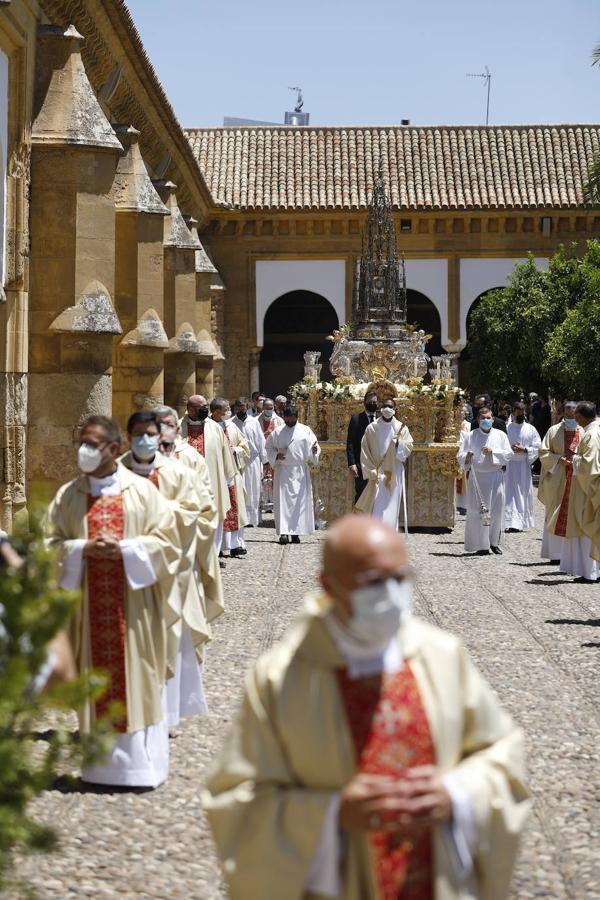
<point x="251" y="429"/>
<point x="386" y="445"/>
<point x="485" y="452"/>
<point x="196" y="518"/>
<point x="117" y="540"/>
<point x="525" y="442"/>
<point x="290" y="449"/>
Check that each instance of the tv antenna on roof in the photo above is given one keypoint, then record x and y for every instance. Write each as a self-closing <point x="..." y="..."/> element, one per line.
<point x="299" y="99"/>
<point x="487" y="77"/>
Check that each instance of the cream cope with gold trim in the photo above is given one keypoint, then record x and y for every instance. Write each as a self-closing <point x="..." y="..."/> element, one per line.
<point x="290" y="748"/>
<point x="219" y="462"/>
<point x="148" y="517"/>
<point x="240" y="456"/>
<point x="372" y="465"/>
<point x="196" y="517"/>
<point x="209" y="560"/>
<point x="551" y="488"/>
<point x="586" y="478"/>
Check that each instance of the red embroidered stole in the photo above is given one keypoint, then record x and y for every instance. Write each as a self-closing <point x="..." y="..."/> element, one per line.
<point x="153" y="477"/>
<point x="267" y="426"/>
<point x="196" y="437"/>
<point x="106" y="604"/>
<point x="391" y="733"/>
<point x="232" y="521"/>
<point x="571" y="442"/>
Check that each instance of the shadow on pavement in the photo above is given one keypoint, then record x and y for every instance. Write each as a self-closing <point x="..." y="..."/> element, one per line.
<point x="591" y="644"/>
<point x="543" y="581"/>
<point x="592" y="622"/>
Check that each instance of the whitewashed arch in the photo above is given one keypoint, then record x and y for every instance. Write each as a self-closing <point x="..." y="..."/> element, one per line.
<point x="430" y="277"/>
<point x="480" y="275"/>
<point x="274" y="278"/>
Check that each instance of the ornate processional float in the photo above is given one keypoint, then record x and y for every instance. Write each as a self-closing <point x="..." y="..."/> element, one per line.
<point x="380" y="352"/>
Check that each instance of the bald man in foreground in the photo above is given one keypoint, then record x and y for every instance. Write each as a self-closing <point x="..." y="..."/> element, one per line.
<point x="369" y="758"/>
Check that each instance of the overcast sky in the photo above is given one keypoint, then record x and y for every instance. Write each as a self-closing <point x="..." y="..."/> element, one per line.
<point x="377" y="61"/>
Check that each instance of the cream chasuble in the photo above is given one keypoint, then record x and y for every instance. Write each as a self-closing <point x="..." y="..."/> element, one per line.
<point x="195" y="513"/>
<point x="240" y="453"/>
<point x="553" y="477"/>
<point x="385" y="448"/>
<point x="148" y="518"/>
<point x="290" y="751"/>
<point x="218" y="460"/>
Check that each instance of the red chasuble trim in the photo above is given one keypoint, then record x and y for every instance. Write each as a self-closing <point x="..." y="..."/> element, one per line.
<point x="390" y="731"/>
<point x="106" y="604"/>
<point x="232" y="521"/>
<point x="196" y="437"/>
<point x="571" y="442"/>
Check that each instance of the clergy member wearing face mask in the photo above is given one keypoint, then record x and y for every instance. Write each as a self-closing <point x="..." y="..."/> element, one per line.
<point x="525" y="443"/>
<point x="237" y="516"/>
<point x="118" y="542"/>
<point x="195" y="599"/>
<point x="252" y="429"/>
<point x="386" y="445"/>
<point x="484" y="453"/>
<point x="290" y="449"/>
<point x="208" y="439"/>
<point x="580" y="554"/>
<point x="369" y="758"/>
<point x="557" y="450"/>
<point x="356" y="429"/>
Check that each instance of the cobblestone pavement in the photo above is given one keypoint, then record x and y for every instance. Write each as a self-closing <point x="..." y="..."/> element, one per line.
<point x="533" y="633"/>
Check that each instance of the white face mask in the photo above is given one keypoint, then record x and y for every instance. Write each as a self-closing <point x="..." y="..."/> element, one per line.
<point x="227" y="415"/>
<point x="387" y="413"/>
<point x="379" y="610"/>
<point x="145" y="446"/>
<point x="89" y="458"/>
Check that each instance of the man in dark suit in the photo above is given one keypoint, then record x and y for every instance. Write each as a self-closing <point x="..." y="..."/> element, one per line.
<point x="356" y="429"/>
<point x="485" y="400"/>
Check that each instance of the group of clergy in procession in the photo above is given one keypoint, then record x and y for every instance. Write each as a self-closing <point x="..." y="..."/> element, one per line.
<point x="496" y="459"/>
<point x="368" y="759"/>
<point x="144" y="535"/>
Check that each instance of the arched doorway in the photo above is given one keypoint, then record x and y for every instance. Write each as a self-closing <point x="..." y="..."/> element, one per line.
<point x="420" y="311"/>
<point x="294" y="323"/>
<point x="466" y="376"/>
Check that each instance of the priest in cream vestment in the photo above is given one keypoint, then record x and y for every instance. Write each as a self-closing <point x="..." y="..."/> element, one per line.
<point x="386" y="445"/>
<point x="237" y="517"/>
<point x="369" y="759"/>
<point x="578" y="556"/>
<point x="118" y="541"/>
<point x="554" y="489"/>
<point x="196" y="522"/>
<point x="208" y="440"/>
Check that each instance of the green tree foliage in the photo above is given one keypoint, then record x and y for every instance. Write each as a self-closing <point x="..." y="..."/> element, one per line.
<point x="32" y="610"/>
<point x="538" y="333"/>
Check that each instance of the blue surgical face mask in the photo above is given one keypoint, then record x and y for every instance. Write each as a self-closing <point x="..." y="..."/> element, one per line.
<point x="144" y="446"/>
<point x="486" y="424"/>
<point x="268" y="413"/>
<point x="570" y="424"/>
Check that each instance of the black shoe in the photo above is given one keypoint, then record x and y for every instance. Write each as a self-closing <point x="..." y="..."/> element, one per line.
<point x="222" y="564"/>
<point x="284" y="539"/>
<point x="582" y="580"/>
<point x="496" y="550"/>
<point x="295" y="539"/>
<point x="554" y="562"/>
<point x="512" y="531"/>
<point x="237" y="552"/>
<point x="482" y="553"/>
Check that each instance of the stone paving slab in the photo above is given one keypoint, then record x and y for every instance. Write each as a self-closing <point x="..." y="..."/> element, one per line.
<point x="533" y="633"/>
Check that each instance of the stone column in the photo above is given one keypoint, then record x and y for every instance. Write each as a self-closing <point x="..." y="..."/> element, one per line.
<point x="205" y="273"/>
<point x="217" y="331"/>
<point x="180" y="247"/>
<point x="254" y="362"/>
<point x="138" y="377"/>
<point x="72" y="260"/>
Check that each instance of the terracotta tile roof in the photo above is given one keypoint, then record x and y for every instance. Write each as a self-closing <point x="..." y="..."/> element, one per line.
<point x="426" y="168"/>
